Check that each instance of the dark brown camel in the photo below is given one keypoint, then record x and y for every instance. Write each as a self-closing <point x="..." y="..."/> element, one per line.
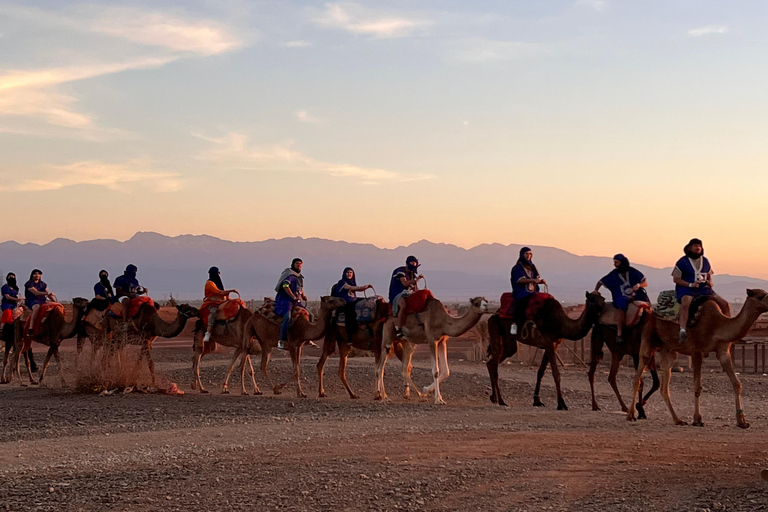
<point x="552" y="326"/>
<point x="367" y="337"/>
<point x="8" y="335"/>
<point x="606" y="335"/>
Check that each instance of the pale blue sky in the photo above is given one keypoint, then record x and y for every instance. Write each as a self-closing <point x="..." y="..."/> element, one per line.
<point x="594" y="126"/>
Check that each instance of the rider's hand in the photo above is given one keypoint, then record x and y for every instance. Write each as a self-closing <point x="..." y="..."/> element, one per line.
<point x="369" y="286"/>
<point x="542" y="281"/>
<point x="694" y="285"/>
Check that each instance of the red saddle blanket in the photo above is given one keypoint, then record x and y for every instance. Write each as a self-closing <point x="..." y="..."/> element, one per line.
<point x="133" y="306"/>
<point x="506" y="309"/>
<point x="227" y="310"/>
<point x="268" y="310"/>
<point x="535" y="303"/>
<point x="417" y="301"/>
<point x="45" y="311"/>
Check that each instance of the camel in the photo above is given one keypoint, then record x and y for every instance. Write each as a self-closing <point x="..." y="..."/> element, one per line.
<point x="606" y="335"/>
<point x="8" y="335"/>
<point x="555" y="325"/>
<point x="94" y="328"/>
<point x="367" y="337"/>
<point x="143" y="328"/>
<point x="230" y="335"/>
<point x="54" y="329"/>
<point x="709" y="331"/>
<point x="432" y="326"/>
<point x="267" y="333"/>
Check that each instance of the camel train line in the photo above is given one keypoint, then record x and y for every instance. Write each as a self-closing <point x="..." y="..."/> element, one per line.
<point x="394" y="327"/>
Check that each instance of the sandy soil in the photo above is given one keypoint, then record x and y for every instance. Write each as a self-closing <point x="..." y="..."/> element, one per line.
<point x="61" y="450"/>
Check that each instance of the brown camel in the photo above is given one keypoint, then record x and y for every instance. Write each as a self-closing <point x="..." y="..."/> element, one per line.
<point x="432" y="326"/>
<point x="8" y="335"/>
<point x="606" y="335"/>
<point x="709" y="331"/>
<point x="53" y="330"/>
<point x="367" y="337"/>
<point x="93" y="328"/>
<point x="229" y="335"/>
<point x="552" y="327"/>
<point x="143" y="328"/>
<point x="267" y="333"/>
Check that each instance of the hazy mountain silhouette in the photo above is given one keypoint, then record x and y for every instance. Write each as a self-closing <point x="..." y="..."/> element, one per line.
<point x="179" y="265"/>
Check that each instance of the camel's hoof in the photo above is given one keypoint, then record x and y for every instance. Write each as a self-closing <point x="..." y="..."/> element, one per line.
<point x="537" y="402"/>
<point x="24" y="385"/>
<point x="321" y="395"/>
<point x="204" y="391"/>
<point x="741" y="421"/>
<point x="562" y="407"/>
<point x="225" y="391"/>
<point x="681" y="422"/>
<point x="624" y="408"/>
<point x="35" y="383"/>
<point x="193" y="386"/>
<point x="353" y="396"/>
<point x="697" y="424"/>
<point x="502" y="403"/>
<point x="5" y="381"/>
<point x="258" y="392"/>
<point x="641" y="414"/>
<point x="596" y="407"/>
<point x="494" y="400"/>
<point x="244" y="393"/>
<point x="301" y="395"/>
<point x="631" y="417"/>
<point x="440" y="402"/>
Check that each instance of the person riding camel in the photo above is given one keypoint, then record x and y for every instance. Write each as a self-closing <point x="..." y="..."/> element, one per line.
<point x="626" y="285"/>
<point x="103" y="294"/>
<point x="127" y="287"/>
<point x="525" y="281"/>
<point x="36" y="294"/>
<point x="215" y="295"/>
<point x="290" y="293"/>
<point x="403" y="283"/>
<point x="692" y="276"/>
<point x="11" y="299"/>
<point x="347" y="289"/>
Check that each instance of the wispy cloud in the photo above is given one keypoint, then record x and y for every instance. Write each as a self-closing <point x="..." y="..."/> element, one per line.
<point x="296" y="44"/>
<point x="234" y="151"/>
<point x="488" y="50"/>
<point x="356" y="19"/>
<point x="111" y="176"/>
<point x="598" y="5"/>
<point x="306" y="117"/>
<point x="709" y="29"/>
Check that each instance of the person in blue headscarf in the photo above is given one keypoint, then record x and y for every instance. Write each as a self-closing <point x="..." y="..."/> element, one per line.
<point x="290" y="293"/>
<point x="525" y="281"/>
<point x="347" y="289"/>
<point x="402" y="284"/>
<point x="127" y="287"/>
<point x="692" y="276"/>
<point x="626" y="285"/>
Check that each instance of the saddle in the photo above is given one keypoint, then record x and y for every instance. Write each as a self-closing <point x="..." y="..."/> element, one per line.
<point x="507" y="307"/>
<point x="268" y="310"/>
<point x="226" y="312"/>
<point x="667" y="307"/>
<point x="365" y="311"/>
<point x="44" y="313"/>
<point x="533" y="304"/>
<point x="95" y="318"/>
<point x="610" y="315"/>
<point x="417" y="301"/>
<point x="134" y="305"/>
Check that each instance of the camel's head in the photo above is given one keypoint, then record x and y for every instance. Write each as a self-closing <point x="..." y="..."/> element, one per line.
<point x="759" y="295"/>
<point x="79" y="303"/>
<point x="328" y="303"/>
<point x="187" y="311"/>
<point x="479" y="305"/>
<point x="595" y="301"/>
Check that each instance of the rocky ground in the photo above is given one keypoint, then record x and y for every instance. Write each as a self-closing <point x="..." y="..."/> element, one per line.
<point x="63" y="450"/>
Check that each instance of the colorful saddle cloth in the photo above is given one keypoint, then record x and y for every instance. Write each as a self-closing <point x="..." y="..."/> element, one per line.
<point x="535" y="303"/>
<point x="43" y="314"/>
<point x="227" y="311"/>
<point x="667" y="307"/>
<point x="417" y="301"/>
<point x="365" y="310"/>
<point x="506" y="309"/>
<point x="134" y="305"/>
<point x="268" y="310"/>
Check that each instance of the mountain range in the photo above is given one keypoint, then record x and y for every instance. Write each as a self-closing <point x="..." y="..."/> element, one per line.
<point x="178" y="265"/>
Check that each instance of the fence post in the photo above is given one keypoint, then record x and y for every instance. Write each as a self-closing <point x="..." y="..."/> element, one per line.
<point x="755" y="357"/>
<point x="743" y="358"/>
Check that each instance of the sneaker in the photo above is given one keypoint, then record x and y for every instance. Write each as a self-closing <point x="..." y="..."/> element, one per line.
<point x="513" y="329"/>
<point x="399" y="334"/>
<point x="207" y="337"/>
<point x="619" y="338"/>
<point x="683" y="334"/>
<point x="281" y="345"/>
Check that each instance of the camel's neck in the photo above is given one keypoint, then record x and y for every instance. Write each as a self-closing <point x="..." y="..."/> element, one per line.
<point x="316" y="330"/>
<point x="575" y="329"/>
<point x="69" y="329"/>
<point x="172" y="329"/>
<point x="737" y="327"/>
<point x="457" y="325"/>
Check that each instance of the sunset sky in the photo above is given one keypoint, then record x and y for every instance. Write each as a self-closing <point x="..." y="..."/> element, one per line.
<point x="596" y="126"/>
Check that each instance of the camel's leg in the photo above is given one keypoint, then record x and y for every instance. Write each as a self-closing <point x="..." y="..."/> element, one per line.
<point x="321" y="367"/>
<point x="539" y="375"/>
<point x="297" y="372"/>
<point x="667" y="360"/>
<point x="197" y="359"/>
<point x="697" y="388"/>
<point x="225" y="386"/>
<point x="61" y="368"/>
<point x="256" y="390"/>
<point x="386" y="348"/>
<point x="151" y="365"/>
<point x="724" y="357"/>
<point x="47" y="361"/>
<point x="344" y="351"/>
<point x="6" y="357"/>
<point x="442" y="354"/>
<point x="591" y="376"/>
<point x="243" y="359"/>
<point x="556" y="376"/>
<point x="408" y="350"/>
<point x="434" y="347"/>
<point x="276" y="389"/>
<point x="615" y="364"/>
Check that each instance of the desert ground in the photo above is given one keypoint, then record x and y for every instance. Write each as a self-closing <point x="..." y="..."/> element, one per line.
<point x="62" y="449"/>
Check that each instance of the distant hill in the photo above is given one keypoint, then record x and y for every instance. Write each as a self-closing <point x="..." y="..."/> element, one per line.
<point x="179" y="265"/>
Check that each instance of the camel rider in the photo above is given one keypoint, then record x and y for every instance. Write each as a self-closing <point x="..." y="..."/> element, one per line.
<point x="402" y="284"/>
<point x="102" y="293"/>
<point x="347" y="289"/>
<point x="290" y="293"/>
<point x="626" y="285"/>
<point x="10" y="293"/>
<point x="36" y="293"/>
<point x="127" y="287"/>
<point x="215" y="295"/>
<point x="525" y="281"/>
<point x="693" y="278"/>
